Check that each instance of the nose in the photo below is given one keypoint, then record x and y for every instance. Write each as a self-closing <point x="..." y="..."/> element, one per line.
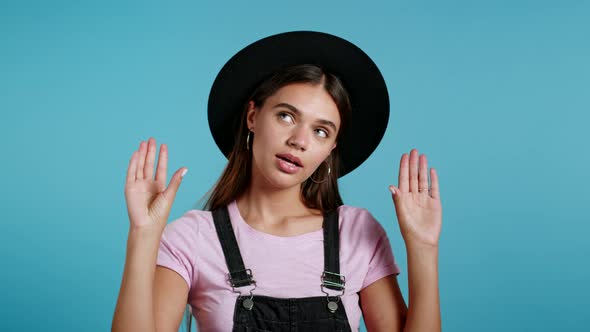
<point x="298" y="139"/>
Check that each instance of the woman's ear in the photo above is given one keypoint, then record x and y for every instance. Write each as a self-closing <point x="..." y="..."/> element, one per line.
<point x="251" y="116"/>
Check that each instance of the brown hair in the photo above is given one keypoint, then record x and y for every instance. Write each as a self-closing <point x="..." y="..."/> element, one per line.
<point x="236" y="176"/>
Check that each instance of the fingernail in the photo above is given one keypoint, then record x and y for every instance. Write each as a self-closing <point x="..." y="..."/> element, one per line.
<point x="183" y="172"/>
<point x="392" y="190"/>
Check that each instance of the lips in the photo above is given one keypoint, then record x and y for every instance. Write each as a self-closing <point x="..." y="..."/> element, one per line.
<point x="290" y="158"/>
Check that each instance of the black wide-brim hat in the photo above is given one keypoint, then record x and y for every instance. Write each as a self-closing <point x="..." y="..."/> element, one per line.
<point x="360" y="76"/>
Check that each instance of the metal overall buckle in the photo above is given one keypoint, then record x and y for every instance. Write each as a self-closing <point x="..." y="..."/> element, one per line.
<point x="333" y="305"/>
<point x="247" y="303"/>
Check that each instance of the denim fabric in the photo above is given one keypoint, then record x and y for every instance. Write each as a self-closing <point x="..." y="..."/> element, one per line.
<point x="294" y="314"/>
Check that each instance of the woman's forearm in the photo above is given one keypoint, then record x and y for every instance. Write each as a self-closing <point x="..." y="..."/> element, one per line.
<point x="424" y="301"/>
<point x="134" y="310"/>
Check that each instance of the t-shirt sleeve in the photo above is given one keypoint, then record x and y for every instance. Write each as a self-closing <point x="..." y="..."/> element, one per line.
<point x="382" y="262"/>
<point x="176" y="250"/>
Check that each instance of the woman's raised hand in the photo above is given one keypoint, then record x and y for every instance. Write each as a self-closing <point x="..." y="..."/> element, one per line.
<point x="418" y="207"/>
<point x="149" y="200"/>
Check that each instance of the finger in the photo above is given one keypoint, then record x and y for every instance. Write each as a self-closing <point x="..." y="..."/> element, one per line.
<point x="151" y="156"/>
<point x="131" y="168"/>
<point x="414" y="171"/>
<point x="172" y="189"/>
<point x="394" y="192"/>
<point x="434" y="192"/>
<point x="423" y="174"/>
<point x="141" y="161"/>
<point x="403" y="177"/>
<point x="162" y="166"/>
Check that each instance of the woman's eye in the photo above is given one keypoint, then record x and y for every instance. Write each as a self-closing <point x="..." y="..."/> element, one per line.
<point x="283" y="115"/>
<point x="289" y="118"/>
<point x="325" y="133"/>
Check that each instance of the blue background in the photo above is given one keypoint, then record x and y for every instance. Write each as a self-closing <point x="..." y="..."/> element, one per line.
<point x="495" y="93"/>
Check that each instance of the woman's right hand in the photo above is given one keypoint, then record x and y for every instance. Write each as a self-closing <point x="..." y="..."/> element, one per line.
<point x="149" y="200"/>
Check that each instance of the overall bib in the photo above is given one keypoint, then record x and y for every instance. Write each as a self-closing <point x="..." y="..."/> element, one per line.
<point x="265" y="313"/>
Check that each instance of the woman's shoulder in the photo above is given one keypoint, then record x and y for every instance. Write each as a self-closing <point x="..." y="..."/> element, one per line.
<point x="359" y="228"/>
<point x="355" y="216"/>
<point x="189" y="222"/>
<point x="354" y="212"/>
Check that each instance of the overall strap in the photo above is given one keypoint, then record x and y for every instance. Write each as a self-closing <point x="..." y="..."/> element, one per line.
<point x="331" y="277"/>
<point x="238" y="275"/>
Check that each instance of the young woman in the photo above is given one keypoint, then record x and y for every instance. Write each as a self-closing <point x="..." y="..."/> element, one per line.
<point x="275" y="248"/>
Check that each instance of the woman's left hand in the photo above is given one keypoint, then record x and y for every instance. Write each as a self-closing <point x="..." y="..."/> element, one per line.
<point x="419" y="212"/>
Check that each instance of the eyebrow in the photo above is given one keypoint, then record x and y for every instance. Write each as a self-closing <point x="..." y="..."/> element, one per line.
<point x="296" y="111"/>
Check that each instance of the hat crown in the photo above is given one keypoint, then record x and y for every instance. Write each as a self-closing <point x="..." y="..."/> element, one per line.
<point x="360" y="76"/>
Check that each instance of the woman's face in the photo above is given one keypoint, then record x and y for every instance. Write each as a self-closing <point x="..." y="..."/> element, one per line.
<point x="300" y="120"/>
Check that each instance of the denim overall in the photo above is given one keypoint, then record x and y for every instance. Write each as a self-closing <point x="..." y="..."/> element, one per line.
<point x="265" y="313"/>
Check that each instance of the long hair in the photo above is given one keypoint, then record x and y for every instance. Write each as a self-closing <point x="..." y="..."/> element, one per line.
<point x="236" y="176"/>
<point x="235" y="179"/>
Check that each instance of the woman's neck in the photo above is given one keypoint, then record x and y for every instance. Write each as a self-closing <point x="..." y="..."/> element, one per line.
<point x="272" y="207"/>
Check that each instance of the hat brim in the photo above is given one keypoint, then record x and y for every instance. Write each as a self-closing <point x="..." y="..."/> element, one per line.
<point x="359" y="74"/>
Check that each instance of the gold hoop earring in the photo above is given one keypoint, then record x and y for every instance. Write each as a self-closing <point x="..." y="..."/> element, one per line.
<point x="324" y="180"/>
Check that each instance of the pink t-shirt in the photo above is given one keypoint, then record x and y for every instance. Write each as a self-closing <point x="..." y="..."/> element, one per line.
<point x="283" y="267"/>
